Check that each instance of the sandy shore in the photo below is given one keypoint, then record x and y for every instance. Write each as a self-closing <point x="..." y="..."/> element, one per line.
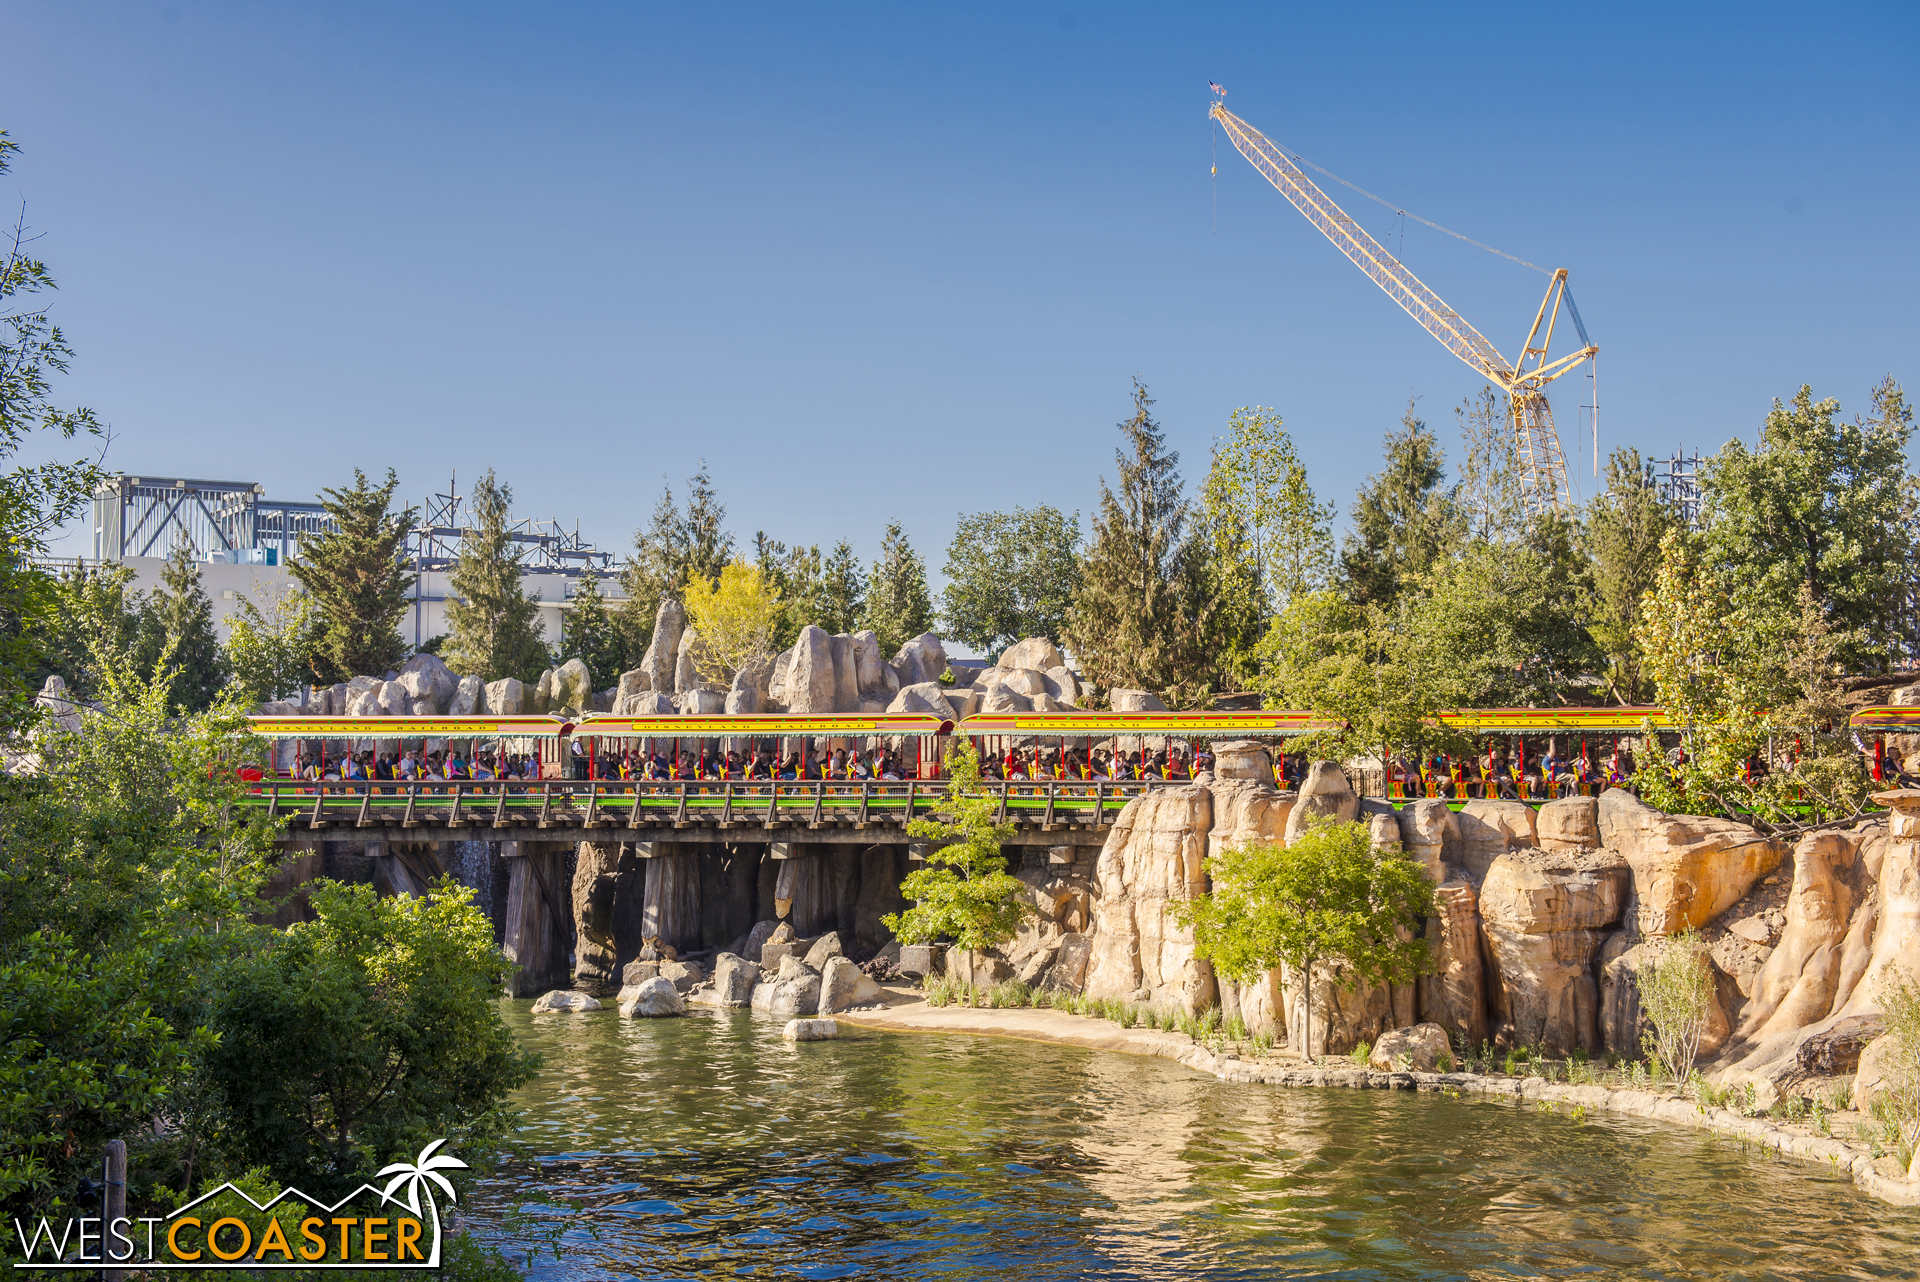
<point x="908" y="1012"/>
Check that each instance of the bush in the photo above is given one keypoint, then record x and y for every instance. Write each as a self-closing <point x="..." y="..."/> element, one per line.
<point x="1676" y="992"/>
<point x="1902" y="1069"/>
<point x="1361" y="1052"/>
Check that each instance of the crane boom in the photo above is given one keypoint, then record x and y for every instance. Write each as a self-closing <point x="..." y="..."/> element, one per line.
<point x="1543" y="465"/>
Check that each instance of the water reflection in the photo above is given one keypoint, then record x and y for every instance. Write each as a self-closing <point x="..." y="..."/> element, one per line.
<point x="707" y="1147"/>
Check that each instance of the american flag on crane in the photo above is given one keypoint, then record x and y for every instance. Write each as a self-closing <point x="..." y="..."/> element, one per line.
<point x="1216" y="88"/>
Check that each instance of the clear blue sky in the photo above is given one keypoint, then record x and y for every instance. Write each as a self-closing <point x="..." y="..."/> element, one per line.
<point x="901" y="260"/>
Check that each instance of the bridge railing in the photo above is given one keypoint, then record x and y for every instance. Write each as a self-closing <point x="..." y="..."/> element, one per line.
<point x="651" y="803"/>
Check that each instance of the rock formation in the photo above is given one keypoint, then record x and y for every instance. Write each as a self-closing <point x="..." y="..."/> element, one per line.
<point x="1543" y="916"/>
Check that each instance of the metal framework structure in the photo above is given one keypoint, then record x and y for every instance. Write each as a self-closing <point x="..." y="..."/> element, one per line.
<point x="1543" y="465"/>
<point x="1681" y="487"/>
<point x="546" y="547"/>
<point x="153" y="515"/>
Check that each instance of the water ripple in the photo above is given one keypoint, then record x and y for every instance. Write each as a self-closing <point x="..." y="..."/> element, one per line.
<point x="707" y="1147"/>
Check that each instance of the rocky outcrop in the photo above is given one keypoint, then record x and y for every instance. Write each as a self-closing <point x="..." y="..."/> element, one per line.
<point x="572" y="689"/>
<point x="927" y="697"/>
<point x="595" y="876"/>
<point x="424" y="676"/>
<point x="652" y="999"/>
<point x="1571" y="823"/>
<point x="1429" y="832"/>
<point x="468" y="694"/>
<point x="1453" y="994"/>
<point x="1135" y="701"/>
<point x="1543" y="916"/>
<point x="1687" y="869"/>
<point x="921" y="659"/>
<point x="1325" y="793"/>
<point x="811" y="685"/>
<point x="1154" y="855"/>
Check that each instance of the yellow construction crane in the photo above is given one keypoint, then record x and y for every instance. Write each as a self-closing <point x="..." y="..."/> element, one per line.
<point x="1543" y="467"/>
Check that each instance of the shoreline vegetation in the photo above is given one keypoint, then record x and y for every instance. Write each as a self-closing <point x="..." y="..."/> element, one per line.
<point x="1203" y="1045"/>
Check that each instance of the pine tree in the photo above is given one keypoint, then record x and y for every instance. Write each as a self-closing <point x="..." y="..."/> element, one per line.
<point x="1131" y="624"/>
<point x="898" y="605"/>
<point x="178" y="614"/>
<point x="843" y="590"/>
<point x="1623" y="531"/>
<point x="589" y="631"/>
<point x="1401" y="517"/>
<point x="493" y="625"/>
<point x="358" y="579"/>
<point x="674" y="544"/>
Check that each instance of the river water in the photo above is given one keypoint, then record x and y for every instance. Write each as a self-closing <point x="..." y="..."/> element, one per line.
<point x="707" y="1147"/>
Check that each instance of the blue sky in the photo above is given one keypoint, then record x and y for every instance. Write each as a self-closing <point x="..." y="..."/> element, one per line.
<point x="886" y="260"/>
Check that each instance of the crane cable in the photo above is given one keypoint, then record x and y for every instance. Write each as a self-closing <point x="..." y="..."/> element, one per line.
<point x="1300" y="160"/>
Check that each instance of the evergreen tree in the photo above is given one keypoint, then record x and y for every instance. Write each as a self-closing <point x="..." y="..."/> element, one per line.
<point x="1624" y="526"/>
<point x="1488" y="503"/>
<point x="1130" y="622"/>
<point x="898" y="606"/>
<point x="676" y="543"/>
<point x="358" y="579"/>
<point x="843" y="590"/>
<point x="1824" y="503"/>
<point x="179" y="615"/>
<point x="493" y="625"/>
<point x="1011" y="575"/>
<point x="590" y="632"/>
<point x="1401" y="516"/>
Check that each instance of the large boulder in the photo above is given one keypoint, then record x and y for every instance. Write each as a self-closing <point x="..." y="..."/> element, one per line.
<point x="506" y="697"/>
<point x="699" y="702"/>
<point x="797" y="996"/>
<point x="652" y="999"/>
<point x="874" y="677"/>
<point x="824" y="949"/>
<point x="1001" y="698"/>
<point x="1453" y="994"/>
<point x="1065" y="686"/>
<point x="395" y="699"/>
<point x="365" y="703"/>
<point x="1543" y="916"/>
<point x="1324" y="792"/>
<point x="632" y="683"/>
<point x="651" y="703"/>
<point x="1420" y="1049"/>
<point x="810" y="1030"/>
<point x="1687" y="869"/>
<point x="572" y="690"/>
<point x="1026" y="681"/>
<point x="811" y="684"/>
<point x="748" y="693"/>
<point x="1480" y="842"/>
<point x="60" y="710"/>
<point x="757" y="938"/>
<point x="1034" y="652"/>
<point x="927" y="697"/>
<point x="846" y="677"/>
<point x="562" y="1001"/>
<point x="687" y="675"/>
<point x="540" y="698"/>
<point x="733" y="980"/>
<point x="663" y="650"/>
<point x="426" y="677"/>
<point x="920" y="659"/>
<point x="1429" y="832"/>
<point x="683" y="975"/>
<point x="467" y="694"/>
<point x="1571" y="823"/>
<point x="843" y="986"/>
<point x="1154" y="856"/>
<point x="1135" y="701"/>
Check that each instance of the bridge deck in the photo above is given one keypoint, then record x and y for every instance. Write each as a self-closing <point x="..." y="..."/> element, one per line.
<point x="680" y="810"/>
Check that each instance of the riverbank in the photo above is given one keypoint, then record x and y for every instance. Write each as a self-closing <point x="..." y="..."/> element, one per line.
<point x="908" y="1012"/>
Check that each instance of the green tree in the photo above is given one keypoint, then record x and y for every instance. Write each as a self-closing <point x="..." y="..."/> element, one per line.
<point x="1011" y="575"/>
<point x="843" y="591"/>
<point x="1677" y="993"/>
<point x="180" y="619"/>
<point x="127" y="873"/>
<point x="1487" y="504"/>
<point x="493" y="626"/>
<point x="964" y="893"/>
<point x="1402" y="517"/>
<point x="1265" y="533"/>
<point x="357" y="576"/>
<point x="35" y="499"/>
<point x="1330" y="900"/>
<point x="1132" y="624"/>
<point x="1825" y="503"/>
<point x="89" y="612"/>
<point x="898" y="606"/>
<point x="367" y="1033"/>
<point x="590" y="632"/>
<point x="1624" y="526"/>
<point x="270" y="643"/>
<point x="677" y="542"/>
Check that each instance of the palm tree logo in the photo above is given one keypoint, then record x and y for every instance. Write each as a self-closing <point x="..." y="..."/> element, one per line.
<point x="422" y="1173"/>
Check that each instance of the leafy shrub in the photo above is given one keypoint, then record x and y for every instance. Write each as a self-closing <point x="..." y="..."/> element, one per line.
<point x="1360" y="1053"/>
<point x="1677" y="994"/>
